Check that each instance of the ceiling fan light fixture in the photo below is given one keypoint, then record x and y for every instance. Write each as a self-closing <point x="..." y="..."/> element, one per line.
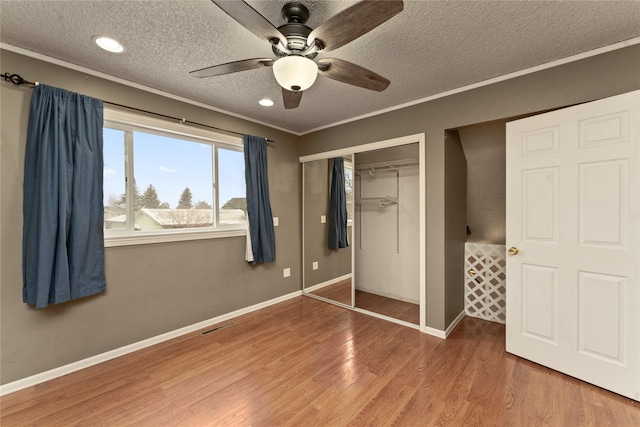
<point x="295" y="73"/>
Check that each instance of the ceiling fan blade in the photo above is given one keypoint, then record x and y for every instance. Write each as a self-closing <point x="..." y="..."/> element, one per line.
<point x="232" y="67"/>
<point x="291" y="99"/>
<point x="353" y="22"/>
<point x="347" y="72"/>
<point x="249" y="18"/>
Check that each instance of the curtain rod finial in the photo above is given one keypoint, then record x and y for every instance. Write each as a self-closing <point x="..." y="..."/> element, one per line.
<point x="17" y="80"/>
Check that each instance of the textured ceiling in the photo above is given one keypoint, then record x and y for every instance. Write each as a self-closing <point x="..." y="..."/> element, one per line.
<point x="429" y="48"/>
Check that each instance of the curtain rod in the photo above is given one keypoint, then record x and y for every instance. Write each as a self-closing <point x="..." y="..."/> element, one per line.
<point x="17" y="80"/>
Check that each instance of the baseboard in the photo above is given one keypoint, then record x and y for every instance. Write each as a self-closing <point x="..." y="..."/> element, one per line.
<point x="112" y="354"/>
<point x="327" y="283"/>
<point x="434" y="332"/>
<point x="453" y="324"/>
<point x="391" y="296"/>
<point x="444" y="334"/>
<point x="387" y="318"/>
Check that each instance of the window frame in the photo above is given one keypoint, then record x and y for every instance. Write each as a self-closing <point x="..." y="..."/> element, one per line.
<point x="130" y="122"/>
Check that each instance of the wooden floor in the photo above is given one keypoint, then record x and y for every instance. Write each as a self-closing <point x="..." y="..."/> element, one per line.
<point x="341" y="292"/>
<point x="305" y="362"/>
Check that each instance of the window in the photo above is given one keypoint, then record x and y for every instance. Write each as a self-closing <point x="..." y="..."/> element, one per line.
<point x="164" y="181"/>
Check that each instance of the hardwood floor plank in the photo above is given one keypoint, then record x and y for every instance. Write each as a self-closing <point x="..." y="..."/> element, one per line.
<point x="306" y="362"/>
<point x="379" y="411"/>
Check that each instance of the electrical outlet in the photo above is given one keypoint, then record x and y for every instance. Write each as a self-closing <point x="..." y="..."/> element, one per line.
<point x="323" y="219"/>
<point x="315" y="265"/>
<point x="286" y="272"/>
<point x="275" y="221"/>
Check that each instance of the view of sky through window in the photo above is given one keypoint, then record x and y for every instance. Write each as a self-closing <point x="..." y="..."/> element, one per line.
<point x="171" y="165"/>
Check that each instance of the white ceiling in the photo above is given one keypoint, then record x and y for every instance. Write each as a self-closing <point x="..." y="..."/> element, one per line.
<point x="429" y="48"/>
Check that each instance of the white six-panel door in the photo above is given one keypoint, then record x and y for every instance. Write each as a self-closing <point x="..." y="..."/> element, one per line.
<point x="573" y="217"/>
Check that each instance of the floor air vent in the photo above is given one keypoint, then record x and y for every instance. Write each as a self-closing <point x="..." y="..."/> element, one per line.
<point x="216" y="329"/>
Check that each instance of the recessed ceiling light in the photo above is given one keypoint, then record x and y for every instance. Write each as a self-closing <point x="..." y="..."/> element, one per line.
<point x="109" y="44"/>
<point x="265" y="102"/>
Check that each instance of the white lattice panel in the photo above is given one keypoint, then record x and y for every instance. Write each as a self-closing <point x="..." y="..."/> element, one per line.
<point x="485" y="286"/>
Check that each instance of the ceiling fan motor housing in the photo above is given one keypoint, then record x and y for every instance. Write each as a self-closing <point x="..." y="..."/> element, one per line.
<point x="296" y="33"/>
<point x="295" y="12"/>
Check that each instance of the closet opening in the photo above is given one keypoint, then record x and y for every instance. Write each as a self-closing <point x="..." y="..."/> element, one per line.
<point x="386" y="235"/>
<point x="484" y="146"/>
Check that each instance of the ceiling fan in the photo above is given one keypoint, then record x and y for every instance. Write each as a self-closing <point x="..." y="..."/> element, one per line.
<point x="296" y="45"/>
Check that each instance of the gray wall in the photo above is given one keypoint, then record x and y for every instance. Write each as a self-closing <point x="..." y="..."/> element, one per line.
<point x="331" y="263"/>
<point x="455" y="226"/>
<point x="597" y="77"/>
<point x="152" y="289"/>
<point x="485" y="148"/>
<point x="400" y="152"/>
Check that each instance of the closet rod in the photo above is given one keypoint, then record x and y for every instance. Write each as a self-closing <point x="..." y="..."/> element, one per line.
<point x="380" y="201"/>
<point x="17" y="80"/>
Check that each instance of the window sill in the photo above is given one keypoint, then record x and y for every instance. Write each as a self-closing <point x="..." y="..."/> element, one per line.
<point x="141" y="238"/>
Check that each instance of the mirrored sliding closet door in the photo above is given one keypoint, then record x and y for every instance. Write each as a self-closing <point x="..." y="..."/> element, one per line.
<point x="363" y="229"/>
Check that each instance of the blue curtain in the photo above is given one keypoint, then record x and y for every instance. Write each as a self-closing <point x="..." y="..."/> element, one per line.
<point x="63" y="241"/>
<point x="263" y="239"/>
<point x="338" y="207"/>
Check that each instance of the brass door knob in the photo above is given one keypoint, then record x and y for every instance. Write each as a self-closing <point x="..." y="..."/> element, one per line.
<point x="513" y="251"/>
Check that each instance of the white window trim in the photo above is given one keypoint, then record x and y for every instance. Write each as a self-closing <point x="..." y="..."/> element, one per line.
<point x="164" y="125"/>
<point x="116" y="117"/>
<point x="144" y="238"/>
<point x="349" y="164"/>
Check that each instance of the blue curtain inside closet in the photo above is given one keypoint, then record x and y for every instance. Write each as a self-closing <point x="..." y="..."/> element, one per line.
<point x="63" y="242"/>
<point x="262" y="235"/>
<point x="338" y="207"/>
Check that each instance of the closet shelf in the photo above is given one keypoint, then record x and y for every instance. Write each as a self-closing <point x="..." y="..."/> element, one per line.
<point x="392" y="166"/>
<point x="380" y="201"/>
